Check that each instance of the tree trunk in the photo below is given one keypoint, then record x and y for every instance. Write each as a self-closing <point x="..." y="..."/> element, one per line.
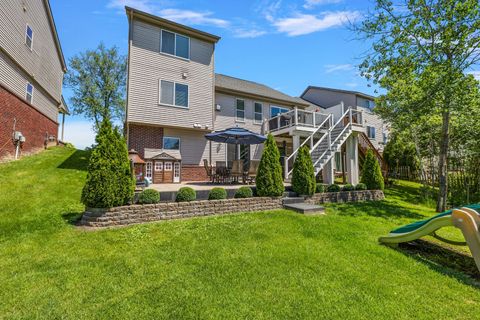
<point x="442" y="163"/>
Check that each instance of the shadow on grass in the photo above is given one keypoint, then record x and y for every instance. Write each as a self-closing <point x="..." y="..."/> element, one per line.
<point x="72" y="218"/>
<point x="444" y="260"/>
<point x="77" y="161"/>
<point x="377" y="209"/>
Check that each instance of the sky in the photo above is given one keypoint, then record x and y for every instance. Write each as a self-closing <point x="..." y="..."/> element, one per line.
<point x="287" y="45"/>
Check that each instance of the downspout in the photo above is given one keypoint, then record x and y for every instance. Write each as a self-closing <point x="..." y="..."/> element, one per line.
<point x="213" y="106"/>
<point x="63" y="125"/>
<point x="127" y="128"/>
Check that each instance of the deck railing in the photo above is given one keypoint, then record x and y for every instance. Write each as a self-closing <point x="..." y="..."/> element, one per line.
<point x="296" y="117"/>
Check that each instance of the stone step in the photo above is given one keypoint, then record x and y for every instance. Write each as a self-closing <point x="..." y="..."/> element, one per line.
<point x="305" y="208"/>
<point x="293" y="200"/>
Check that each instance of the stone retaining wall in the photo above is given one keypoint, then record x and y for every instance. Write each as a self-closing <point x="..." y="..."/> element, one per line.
<point x="125" y="215"/>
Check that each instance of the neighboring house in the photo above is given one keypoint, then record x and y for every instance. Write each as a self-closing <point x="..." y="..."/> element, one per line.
<point x="174" y="98"/>
<point x="32" y="67"/>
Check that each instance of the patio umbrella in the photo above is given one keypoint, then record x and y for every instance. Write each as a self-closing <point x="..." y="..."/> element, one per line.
<point x="236" y="136"/>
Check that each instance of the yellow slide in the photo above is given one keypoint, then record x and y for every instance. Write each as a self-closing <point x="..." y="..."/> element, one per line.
<point x="467" y="219"/>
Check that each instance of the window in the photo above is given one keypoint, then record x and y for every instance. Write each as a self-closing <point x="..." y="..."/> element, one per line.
<point x="158" y="166"/>
<point x="240" y="110"/>
<point x="171" y="143"/>
<point x="29" y="37"/>
<point x="371" y="132"/>
<point x="168" y="166"/>
<point x="385" y="138"/>
<point x="148" y="170"/>
<point x="173" y="94"/>
<point x="258" y="113"/>
<point x="275" y="111"/>
<point x="175" y="44"/>
<point x="29" y="92"/>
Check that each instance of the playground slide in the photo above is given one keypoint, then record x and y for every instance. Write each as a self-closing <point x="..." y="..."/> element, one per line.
<point x="467" y="219"/>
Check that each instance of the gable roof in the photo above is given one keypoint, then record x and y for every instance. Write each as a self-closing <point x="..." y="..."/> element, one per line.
<point x="55" y="34"/>
<point x="357" y="93"/>
<point x="172" y="25"/>
<point x="242" y="87"/>
<point x="162" y="154"/>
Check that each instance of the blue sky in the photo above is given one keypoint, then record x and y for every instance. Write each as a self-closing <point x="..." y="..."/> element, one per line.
<point x="287" y="45"/>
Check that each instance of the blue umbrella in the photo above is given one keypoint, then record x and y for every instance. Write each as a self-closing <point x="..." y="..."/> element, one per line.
<point x="236" y="136"/>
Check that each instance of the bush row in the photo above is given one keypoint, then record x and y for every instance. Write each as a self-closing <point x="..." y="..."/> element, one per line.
<point x="321" y="188"/>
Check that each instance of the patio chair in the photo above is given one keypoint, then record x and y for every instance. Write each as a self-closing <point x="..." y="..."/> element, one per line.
<point x="237" y="170"/>
<point x="211" y="174"/>
<point x="221" y="171"/>
<point x="252" y="170"/>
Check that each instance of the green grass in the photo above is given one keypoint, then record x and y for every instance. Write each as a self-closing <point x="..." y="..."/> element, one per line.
<point x="266" y="265"/>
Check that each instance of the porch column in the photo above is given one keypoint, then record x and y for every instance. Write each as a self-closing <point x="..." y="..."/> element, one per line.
<point x="296" y="143"/>
<point x="351" y="156"/>
<point x="327" y="172"/>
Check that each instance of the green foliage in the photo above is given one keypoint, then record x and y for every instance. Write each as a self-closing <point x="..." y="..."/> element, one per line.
<point x="149" y="196"/>
<point x="217" y="194"/>
<point x="109" y="179"/>
<point x="320" y="188"/>
<point x="98" y="79"/>
<point x="333" y="188"/>
<point x="269" y="180"/>
<point x="244" y="192"/>
<point x="371" y="173"/>
<point x="303" y="176"/>
<point x="361" y="186"/>
<point x="186" y="194"/>
<point x="348" y="187"/>
<point x="400" y="151"/>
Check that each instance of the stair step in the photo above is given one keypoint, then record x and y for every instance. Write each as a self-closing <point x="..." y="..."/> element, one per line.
<point x="305" y="208"/>
<point x="292" y="200"/>
<point x="289" y="194"/>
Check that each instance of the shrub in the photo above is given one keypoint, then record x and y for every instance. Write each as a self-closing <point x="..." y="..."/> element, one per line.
<point x="269" y="179"/>
<point x="361" y="186"/>
<point x="348" y="187"/>
<point x="371" y="173"/>
<point x="149" y="196"/>
<point x="244" y="192"/>
<point x="185" y="194"/>
<point x="217" y="194"/>
<point x="320" y="188"/>
<point x="303" y="176"/>
<point x="109" y="180"/>
<point x="333" y="188"/>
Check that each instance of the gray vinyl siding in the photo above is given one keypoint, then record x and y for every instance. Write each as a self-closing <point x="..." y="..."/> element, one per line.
<point x="12" y="77"/>
<point x="193" y="145"/>
<point x="148" y="66"/>
<point x="372" y="120"/>
<point x="42" y="62"/>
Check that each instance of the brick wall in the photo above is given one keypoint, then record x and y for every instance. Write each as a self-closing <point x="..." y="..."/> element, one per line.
<point x="141" y="137"/>
<point x="29" y="121"/>
<point x="193" y="173"/>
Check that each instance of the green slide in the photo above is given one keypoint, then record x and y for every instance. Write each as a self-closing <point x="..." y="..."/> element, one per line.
<point x="422" y="228"/>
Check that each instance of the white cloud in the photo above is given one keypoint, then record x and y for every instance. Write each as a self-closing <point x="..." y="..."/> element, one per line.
<point x="301" y="24"/>
<point x="329" y="68"/>
<point x="79" y="132"/>
<point x="351" y="84"/>
<point x="476" y="74"/>
<point x="193" y="17"/>
<point x="309" y="4"/>
<point x="143" y="5"/>
<point x="246" y="33"/>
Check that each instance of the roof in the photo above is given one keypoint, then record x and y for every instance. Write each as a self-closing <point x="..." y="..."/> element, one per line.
<point x="357" y="93"/>
<point x="64" y="107"/>
<point x="55" y="34"/>
<point x="172" y="25"/>
<point x="233" y="85"/>
<point x="162" y="154"/>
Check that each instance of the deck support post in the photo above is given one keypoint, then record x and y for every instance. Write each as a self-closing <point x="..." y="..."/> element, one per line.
<point x="352" y="159"/>
<point x="328" y="173"/>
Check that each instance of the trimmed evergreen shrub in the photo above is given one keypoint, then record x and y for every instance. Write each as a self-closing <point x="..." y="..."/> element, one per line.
<point x="303" y="176"/>
<point x="348" y="187"/>
<point x="109" y="182"/>
<point x="269" y="180"/>
<point x="361" y="186"/>
<point x="217" y="194"/>
<point x="185" y="194"/>
<point x="244" y="192"/>
<point x="149" y="196"/>
<point x="333" y="188"/>
<point x="320" y="188"/>
<point x="371" y="173"/>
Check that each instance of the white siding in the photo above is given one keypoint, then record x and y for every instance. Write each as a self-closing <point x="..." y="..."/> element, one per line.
<point x="148" y="66"/>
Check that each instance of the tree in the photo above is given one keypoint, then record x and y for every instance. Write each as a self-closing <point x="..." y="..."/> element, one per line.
<point x="372" y="173"/>
<point x="98" y="80"/>
<point x="421" y="51"/>
<point x="269" y="179"/>
<point x="303" y="176"/>
<point x="109" y="181"/>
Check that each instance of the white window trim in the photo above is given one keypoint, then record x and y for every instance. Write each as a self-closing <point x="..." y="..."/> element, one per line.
<point x="149" y="163"/>
<point x="26" y="36"/>
<point x="174" y="85"/>
<point x="283" y="108"/>
<point x="244" y="110"/>
<point x="160" y="166"/>
<point x="368" y="133"/>
<point x="27" y="93"/>
<point x="255" y="113"/>
<point x="175" y="45"/>
<point x="165" y="166"/>
<point x="179" y="142"/>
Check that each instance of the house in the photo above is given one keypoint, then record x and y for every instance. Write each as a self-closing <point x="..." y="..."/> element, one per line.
<point x="32" y="67"/>
<point x="174" y="97"/>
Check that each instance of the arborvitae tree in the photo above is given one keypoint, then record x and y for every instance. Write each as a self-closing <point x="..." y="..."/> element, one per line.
<point x="109" y="179"/>
<point x="269" y="179"/>
<point x="303" y="176"/>
<point x="371" y="173"/>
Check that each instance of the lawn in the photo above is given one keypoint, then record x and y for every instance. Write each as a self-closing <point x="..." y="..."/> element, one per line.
<point x="275" y="264"/>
